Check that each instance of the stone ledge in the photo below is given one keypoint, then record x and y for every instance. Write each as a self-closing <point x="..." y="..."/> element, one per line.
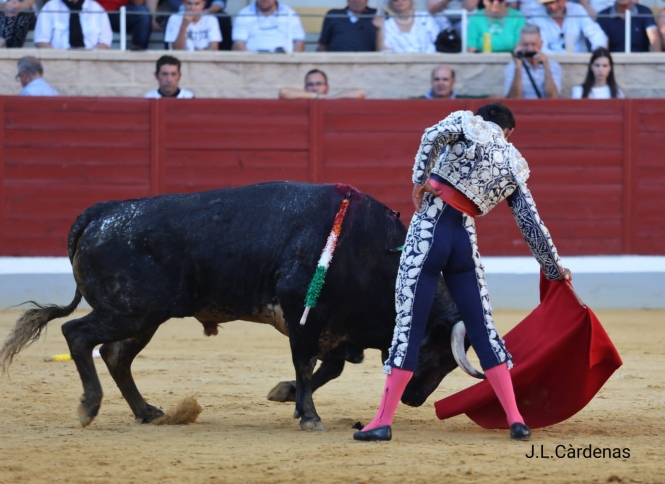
<point x="248" y="75"/>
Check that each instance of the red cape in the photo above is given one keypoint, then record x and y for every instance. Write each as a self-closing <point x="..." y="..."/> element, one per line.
<point x="562" y="357"/>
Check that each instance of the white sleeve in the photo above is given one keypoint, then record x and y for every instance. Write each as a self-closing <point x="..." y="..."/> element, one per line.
<point x="241" y="25"/>
<point x="576" y="93"/>
<point x="44" y="26"/>
<point x="105" y="32"/>
<point x="297" y="31"/>
<point x="172" y="28"/>
<point x="593" y="32"/>
<point x="433" y="29"/>
<point x="215" y="33"/>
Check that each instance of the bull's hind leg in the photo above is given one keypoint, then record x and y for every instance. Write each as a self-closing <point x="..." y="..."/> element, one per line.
<point x="82" y="336"/>
<point x="330" y="368"/>
<point x="118" y="357"/>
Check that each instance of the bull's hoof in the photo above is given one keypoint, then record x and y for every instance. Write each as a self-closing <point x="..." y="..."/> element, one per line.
<point x="87" y="412"/>
<point x="284" y="391"/>
<point x="149" y="414"/>
<point x="312" y="424"/>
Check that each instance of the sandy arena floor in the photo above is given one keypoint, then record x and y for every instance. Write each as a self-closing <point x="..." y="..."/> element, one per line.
<point x="241" y="437"/>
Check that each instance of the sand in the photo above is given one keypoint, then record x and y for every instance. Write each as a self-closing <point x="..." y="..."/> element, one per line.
<point x="242" y="437"/>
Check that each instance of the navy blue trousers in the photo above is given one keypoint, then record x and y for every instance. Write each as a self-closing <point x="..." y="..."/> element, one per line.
<point x="442" y="240"/>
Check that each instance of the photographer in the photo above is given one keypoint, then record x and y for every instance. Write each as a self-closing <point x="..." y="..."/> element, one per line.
<point x="531" y="75"/>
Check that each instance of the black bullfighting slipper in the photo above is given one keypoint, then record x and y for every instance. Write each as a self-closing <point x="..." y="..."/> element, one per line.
<point x="520" y="431"/>
<point x="374" y="435"/>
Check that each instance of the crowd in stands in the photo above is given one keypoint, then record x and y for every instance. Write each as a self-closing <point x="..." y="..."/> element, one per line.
<point x="271" y="26"/>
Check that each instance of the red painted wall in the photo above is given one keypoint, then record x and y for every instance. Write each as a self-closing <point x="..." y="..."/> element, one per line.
<point x="597" y="172"/>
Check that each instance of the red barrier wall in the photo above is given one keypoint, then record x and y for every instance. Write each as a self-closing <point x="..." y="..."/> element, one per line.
<point x="597" y="172"/>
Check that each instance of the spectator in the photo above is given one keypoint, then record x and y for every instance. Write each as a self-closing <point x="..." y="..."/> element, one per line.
<point x="15" y="18"/>
<point x="316" y="86"/>
<point x="443" y="81"/>
<point x="30" y="72"/>
<point x="168" y="74"/>
<point x="58" y="27"/>
<point x="501" y="22"/>
<point x="191" y="30"/>
<point x="660" y="22"/>
<point x="407" y="31"/>
<point x="531" y="75"/>
<point x="212" y="7"/>
<point x="349" y="29"/>
<point x="435" y="7"/>
<point x="644" y="33"/>
<point x="139" y="23"/>
<point x="268" y="26"/>
<point x="567" y="28"/>
<point x="599" y="82"/>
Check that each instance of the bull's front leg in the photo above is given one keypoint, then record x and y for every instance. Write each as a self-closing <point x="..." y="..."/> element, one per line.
<point x="305" y="410"/>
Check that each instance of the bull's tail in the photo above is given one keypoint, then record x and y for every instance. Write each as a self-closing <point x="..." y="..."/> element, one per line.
<point x="30" y="325"/>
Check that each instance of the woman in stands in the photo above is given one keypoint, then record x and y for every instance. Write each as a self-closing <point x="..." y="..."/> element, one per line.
<point x="407" y="31"/>
<point x="15" y="20"/>
<point x="599" y="82"/>
<point x="501" y="24"/>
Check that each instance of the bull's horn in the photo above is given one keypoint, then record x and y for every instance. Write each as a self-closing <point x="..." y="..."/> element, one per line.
<point x="457" y="343"/>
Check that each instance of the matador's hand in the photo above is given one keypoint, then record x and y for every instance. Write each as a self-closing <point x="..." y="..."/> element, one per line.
<point x="567" y="275"/>
<point x="419" y="192"/>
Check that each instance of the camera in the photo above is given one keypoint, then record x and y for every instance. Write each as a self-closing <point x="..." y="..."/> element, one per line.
<point x="521" y="54"/>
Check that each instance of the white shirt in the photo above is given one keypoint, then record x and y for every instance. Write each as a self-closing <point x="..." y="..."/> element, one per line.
<point x="183" y="94"/>
<point x="268" y="32"/>
<point x="577" y="25"/>
<point x="38" y="87"/>
<point x="199" y="34"/>
<point x="602" y="92"/>
<point x="53" y="25"/>
<point x="420" y="38"/>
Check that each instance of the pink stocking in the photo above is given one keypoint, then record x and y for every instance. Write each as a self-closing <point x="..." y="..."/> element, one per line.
<point x="392" y="392"/>
<point x="499" y="378"/>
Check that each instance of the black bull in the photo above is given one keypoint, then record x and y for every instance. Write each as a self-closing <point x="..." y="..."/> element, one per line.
<point x="244" y="253"/>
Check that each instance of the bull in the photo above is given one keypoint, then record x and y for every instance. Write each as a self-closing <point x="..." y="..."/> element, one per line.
<point x="245" y="253"/>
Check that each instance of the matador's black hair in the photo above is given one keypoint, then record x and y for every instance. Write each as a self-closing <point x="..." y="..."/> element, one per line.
<point x="498" y="114"/>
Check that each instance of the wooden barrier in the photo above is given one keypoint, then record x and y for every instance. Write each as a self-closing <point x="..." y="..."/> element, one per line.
<point x="597" y="172"/>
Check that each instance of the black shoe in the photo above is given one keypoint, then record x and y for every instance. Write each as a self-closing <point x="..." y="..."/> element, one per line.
<point x="520" y="431"/>
<point x="374" y="435"/>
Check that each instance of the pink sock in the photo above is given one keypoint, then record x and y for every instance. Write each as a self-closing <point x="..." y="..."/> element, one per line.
<point x="392" y="392"/>
<point x="499" y="378"/>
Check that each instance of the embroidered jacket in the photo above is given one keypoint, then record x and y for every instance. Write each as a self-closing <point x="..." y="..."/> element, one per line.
<point x="473" y="156"/>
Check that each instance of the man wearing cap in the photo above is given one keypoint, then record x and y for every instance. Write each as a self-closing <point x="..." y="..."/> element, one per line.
<point x="568" y="27"/>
